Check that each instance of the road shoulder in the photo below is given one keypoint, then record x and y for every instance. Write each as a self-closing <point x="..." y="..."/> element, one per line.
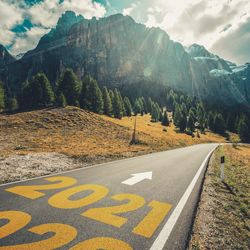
<point x="222" y="220"/>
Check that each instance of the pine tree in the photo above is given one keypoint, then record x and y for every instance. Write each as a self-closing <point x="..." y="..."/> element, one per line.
<point x="107" y="108"/>
<point x="95" y="97"/>
<point x="61" y="100"/>
<point x="183" y="122"/>
<point x="141" y="106"/>
<point x="236" y="122"/>
<point x="201" y="116"/>
<point x="37" y="93"/>
<point x="99" y="105"/>
<point x="122" y="104"/>
<point x="25" y="99"/>
<point x="111" y="94"/>
<point x="11" y="104"/>
<point x="192" y="113"/>
<point x="159" y="111"/>
<point x="174" y="107"/>
<point x="171" y="100"/>
<point x="177" y="114"/>
<point x="165" y="120"/>
<point x="34" y="93"/>
<point x="189" y="102"/>
<point x="70" y="87"/>
<point x="243" y="129"/>
<point x="155" y="114"/>
<point x="219" y="124"/>
<point x="211" y="121"/>
<point x="137" y="107"/>
<point x="149" y="105"/>
<point x="191" y="122"/>
<point x="91" y="97"/>
<point x="84" y="95"/>
<point x="2" y="96"/>
<point x="230" y="123"/>
<point x="144" y="105"/>
<point x="180" y="117"/>
<point x="128" y="106"/>
<point x="117" y="106"/>
<point x="48" y="96"/>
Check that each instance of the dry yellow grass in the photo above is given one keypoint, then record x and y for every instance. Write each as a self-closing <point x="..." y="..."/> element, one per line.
<point x="170" y="138"/>
<point x="71" y="131"/>
<point x="223" y="219"/>
<point x="79" y="133"/>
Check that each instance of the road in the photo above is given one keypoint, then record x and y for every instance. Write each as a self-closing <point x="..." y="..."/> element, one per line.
<point x="107" y="206"/>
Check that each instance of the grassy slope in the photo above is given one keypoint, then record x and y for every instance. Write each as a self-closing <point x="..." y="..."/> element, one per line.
<point x="169" y="138"/>
<point x="79" y="133"/>
<point x="57" y="140"/>
<point x="223" y="219"/>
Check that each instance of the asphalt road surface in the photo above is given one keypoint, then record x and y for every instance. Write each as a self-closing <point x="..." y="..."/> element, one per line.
<point x="146" y="202"/>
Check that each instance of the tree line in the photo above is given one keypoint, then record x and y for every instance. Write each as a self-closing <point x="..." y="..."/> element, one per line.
<point x="188" y="113"/>
<point x="191" y="113"/>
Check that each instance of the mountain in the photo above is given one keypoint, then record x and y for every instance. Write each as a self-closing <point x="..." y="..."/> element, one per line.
<point x="118" y="52"/>
<point x="200" y="54"/>
<point x="225" y="71"/>
<point x="230" y="78"/>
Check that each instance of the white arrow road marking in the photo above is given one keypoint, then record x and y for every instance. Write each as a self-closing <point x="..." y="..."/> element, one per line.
<point x="138" y="178"/>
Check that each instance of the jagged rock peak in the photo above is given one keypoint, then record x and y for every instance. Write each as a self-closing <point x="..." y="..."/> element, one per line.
<point x="67" y="19"/>
<point x="59" y="33"/>
<point x="196" y="50"/>
<point x="119" y="16"/>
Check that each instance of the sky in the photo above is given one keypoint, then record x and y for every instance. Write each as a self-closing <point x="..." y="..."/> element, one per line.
<point x="222" y="26"/>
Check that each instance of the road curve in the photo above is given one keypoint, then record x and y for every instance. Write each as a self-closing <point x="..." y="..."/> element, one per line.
<point x="102" y="207"/>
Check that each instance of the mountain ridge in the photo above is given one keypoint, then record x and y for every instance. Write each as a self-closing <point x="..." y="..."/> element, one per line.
<point x="116" y="51"/>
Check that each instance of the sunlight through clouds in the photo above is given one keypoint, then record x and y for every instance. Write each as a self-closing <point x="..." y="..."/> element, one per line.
<point x="209" y="23"/>
<point x="196" y="21"/>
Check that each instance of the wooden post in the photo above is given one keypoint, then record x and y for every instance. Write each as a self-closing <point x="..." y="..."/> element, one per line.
<point x="134" y="133"/>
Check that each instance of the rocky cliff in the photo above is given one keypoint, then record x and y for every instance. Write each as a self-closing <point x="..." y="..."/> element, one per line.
<point x="227" y="79"/>
<point x="116" y="50"/>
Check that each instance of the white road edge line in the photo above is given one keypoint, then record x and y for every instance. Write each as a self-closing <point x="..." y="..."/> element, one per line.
<point x="163" y="236"/>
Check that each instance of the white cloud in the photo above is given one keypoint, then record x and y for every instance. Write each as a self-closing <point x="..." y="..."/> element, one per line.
<point x="235" y="43"/>
<point x="209" y="23"/>
<point x="6" y="36"/>
<point x="48" y="12"/>
<point x="43" y="15"/>
<point x="88" y="8"/>
<point x="28" y="41"/>
<point x="128" y="11"/>
<point x="196" y="21"/>
<point x="9" y="16"/>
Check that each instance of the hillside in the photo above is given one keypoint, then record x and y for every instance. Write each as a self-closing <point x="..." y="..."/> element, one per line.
<point x="53" y="140"/>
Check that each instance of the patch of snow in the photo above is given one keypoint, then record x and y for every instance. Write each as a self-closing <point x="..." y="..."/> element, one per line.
<point x="203" y="58"/>
<point x="219" y="72"/>
<point x="238" y="68"/>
